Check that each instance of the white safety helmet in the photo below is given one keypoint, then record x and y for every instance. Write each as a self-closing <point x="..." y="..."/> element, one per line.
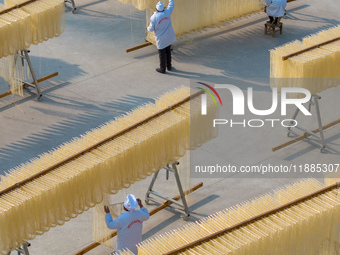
<point x="160" y="6"/>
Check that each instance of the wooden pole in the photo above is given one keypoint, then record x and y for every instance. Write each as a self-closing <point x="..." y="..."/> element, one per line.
<point x="81" y="153"/>
<point x="304" y="135"/>
<point x="251" y="220"/>
<point x="138" y="47"/>
<point x="309" y="48"/>
<point x="23" y="85"/>
<point x="16" y="6"/>
<point x="152" y="212"/>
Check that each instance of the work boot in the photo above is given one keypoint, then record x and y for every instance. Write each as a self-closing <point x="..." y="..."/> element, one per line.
<point x="160" y="70"/>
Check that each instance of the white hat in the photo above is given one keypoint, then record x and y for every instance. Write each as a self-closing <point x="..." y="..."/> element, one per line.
<point x="160" y="6"/>
<point x="130" y="202"/>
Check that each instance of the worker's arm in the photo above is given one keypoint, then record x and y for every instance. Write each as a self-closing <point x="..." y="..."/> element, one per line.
<point x="268" y="2"/>
<point x="145" y="213"/>
<point x="171" y="5"/>
<point x="152" y="25"/>
<point x="112" y="224"/>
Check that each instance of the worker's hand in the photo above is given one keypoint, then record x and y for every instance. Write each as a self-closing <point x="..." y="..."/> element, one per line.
<point x="106" y="209"/>
<point x="139" y="202"/>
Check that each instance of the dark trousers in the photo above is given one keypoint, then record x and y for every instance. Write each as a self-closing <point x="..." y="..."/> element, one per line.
<point x="271" y="19"/>
<point x="165" y="58"/>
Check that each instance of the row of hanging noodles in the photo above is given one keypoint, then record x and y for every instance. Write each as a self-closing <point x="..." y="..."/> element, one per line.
<point x="306" y="228"/>
<point x="316" y="70"/>
<point x="76" y="186"/>
<point x="31" y="24"/>
<point x="14" y="72"/>
<point x="20" y="28"/>
<point x="194" y="15"/>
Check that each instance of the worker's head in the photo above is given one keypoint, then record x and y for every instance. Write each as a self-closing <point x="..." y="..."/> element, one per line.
<point x="130" y="203"/>
<point x="160" y="6"/>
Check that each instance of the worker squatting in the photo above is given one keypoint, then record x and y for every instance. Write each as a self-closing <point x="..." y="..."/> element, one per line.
<point x="256" y="123"/>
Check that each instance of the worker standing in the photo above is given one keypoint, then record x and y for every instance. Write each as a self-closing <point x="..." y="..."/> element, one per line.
<point x="160" y="22"/>
<point x="129" y="224"/>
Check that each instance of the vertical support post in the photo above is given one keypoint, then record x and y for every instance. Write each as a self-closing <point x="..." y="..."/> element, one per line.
<point x="35" y="81"/>
<point x="74" y="7"/>
<point x="293" y="118"/>
<point x="167" y="172"/>
<point x="318" y="115"/>
<point x="180" y="189"/>
<point x="147" y="196"/>
<point x="25" y="248"/>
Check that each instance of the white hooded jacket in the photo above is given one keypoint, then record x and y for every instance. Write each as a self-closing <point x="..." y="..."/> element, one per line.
<point x="129" y="227"/>
<point x="276" y="8"/>
<point x="160" y="22"/>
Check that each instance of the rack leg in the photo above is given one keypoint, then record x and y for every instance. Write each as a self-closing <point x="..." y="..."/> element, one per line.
<point x="73" y="6"/>
<point x="22" y="250"/>
<point x="150" y="187"/>
<point x="179" y="185"/>
<point x="32" y="72"/>
<point x="318" y="115"/>
<point x="25" y="248"/>
<point x="293" y="118"/>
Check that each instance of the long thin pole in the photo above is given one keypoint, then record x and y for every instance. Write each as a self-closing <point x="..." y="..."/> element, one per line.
<point x="24" y="85"/>
<point x="16" y="6"/>
<point x="138" y="47"/>
<point x="309" y="48"/>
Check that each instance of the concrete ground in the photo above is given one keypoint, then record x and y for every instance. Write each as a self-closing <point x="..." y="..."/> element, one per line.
<point x="98" y="81"/>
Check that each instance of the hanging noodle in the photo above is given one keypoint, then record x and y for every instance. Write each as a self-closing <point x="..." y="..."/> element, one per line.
<point x="79" y="184"/>
<point x="31" y="24"/>
<point x="20" y="28"/>
<point x="12" y="71"/>
<point x="315" y="70"/>
<point x="100" y="229"/>
<point x="194" y="15"/>
<point x="306" y="228"/>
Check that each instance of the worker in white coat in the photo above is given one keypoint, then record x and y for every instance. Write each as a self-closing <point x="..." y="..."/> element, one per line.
<point x="275" y="9"/>
<point x="160" y="22"/>
<point x="129" y="224"/>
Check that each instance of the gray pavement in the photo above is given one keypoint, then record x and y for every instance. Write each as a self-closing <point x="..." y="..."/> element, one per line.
<point x="98" y="81"/>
